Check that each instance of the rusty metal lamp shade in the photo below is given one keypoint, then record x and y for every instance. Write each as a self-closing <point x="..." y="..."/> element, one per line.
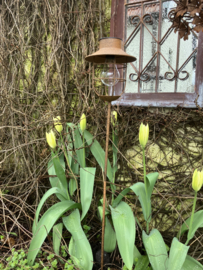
<point x="111" y="53"/>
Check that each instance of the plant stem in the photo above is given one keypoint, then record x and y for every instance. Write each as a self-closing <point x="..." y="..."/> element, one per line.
<point x="145" y="183"/>
<point x="83" y="140"/>
<point x="144" y="167"/>
<point x="113" y="138"/>
<point x="69" y="166"/>
<point x="191" y="219"/>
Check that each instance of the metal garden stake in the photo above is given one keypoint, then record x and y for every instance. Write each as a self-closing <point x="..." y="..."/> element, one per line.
<point x="110" y="62"/>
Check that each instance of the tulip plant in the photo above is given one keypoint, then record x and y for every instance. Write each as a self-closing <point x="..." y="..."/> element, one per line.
<point x="76" y="170"/>
<point x="120" y="222"/>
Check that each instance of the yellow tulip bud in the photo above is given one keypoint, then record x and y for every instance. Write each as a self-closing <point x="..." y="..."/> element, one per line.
<point x="113" y="118"/>
<point x="83" y="122"/>
<point x="51" y="139"/>
<point x="57" y="124"/>
<point x="197" y="180"/>
<point x="143" y="135"/>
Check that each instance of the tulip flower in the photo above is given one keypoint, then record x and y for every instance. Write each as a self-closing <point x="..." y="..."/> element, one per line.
<point x="196" y="185"/>
<point x="197" y="180"/>
<point x="83" y="122"/>
<point x="143" y="135"/>
<point x="114" y="117"/>
<point x="57" y="124"/>
<point x="51" y="139"/>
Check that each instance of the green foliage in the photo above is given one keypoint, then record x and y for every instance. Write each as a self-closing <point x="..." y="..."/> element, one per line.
<point x="17" y="261"/>
<point x="69" y="265"/>
<point x="156" y="249"/>
<point x="191" y="263"/>
<point x="63" y="251"/>
<point x="98" y="153"/>
<point x="60" y="187"/>
<point x="57" y="235"/>
<point x="86" y="229"/>
<point x="87" y="176"/>
<point x="124" y="224"/>
<point x="79" y="247"/>
<point x="109" y="233"/>
<point x="197" y="223"/>
<point x="177" y="256"/>
<point x="45" y="224"/>
<point x="119" y="214"/>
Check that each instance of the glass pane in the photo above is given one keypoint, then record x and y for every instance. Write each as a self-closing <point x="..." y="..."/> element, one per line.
<point x="167" y="6"/>
<point x="150" y="35"/>
<point x="131" y="87"/>
<point x="186" y="48"/>
<point x="187" y="64"/>
<point x="149" y="76"/>
<point x="188" y="72"/>
<point x="154" y="38"/>
<point x="132" y="36"/>
<point x="165" y="75"/>
<point x="132" y="46"/>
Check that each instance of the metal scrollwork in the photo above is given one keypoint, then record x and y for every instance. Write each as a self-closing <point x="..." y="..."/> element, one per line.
<point x="186" y="77"/>
<point x="147" y="18"/>
<point x="176" y="76"/>
<point x="132" y="75"/>
<point x="135" y="20"/>
<point x="168" y="74"/>
<point x="144" y="77"/>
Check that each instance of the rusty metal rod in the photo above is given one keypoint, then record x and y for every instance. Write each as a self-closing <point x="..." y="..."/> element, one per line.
<point x="104" y="182"/>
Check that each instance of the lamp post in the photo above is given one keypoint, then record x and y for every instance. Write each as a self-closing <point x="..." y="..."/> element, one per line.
<point x="110" y="62"/>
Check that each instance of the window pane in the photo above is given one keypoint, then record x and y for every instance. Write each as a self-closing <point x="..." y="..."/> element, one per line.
<point x="187" y="64"/>
<point x="168" y="48"/>
<point x="154" y="43"/>
<point x="133" y="45"/>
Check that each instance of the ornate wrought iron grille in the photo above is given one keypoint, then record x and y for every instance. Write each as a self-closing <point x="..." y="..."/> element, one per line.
<point x="165" y="63"/>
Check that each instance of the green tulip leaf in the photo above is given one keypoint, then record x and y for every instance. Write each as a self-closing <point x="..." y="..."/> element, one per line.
<point x="151" y="180"/>
<point x="44" y="226"/>
<point x="100" y="211"/>
<point x="139" y="190"/>
<point x="109" y="237"/>
<point x="136" y="253"/>
<point x="81" y="248"/>
<point x="78" y="144"/>
<point x="197" y="223"/>
<point x="142" y="263"/>
<point x="57" y="235"/>
<point x="69" y="145"/>
<point x="109" y="233"/>
<point x="177" y="255"/>
<point x="61" y="174"/>
<point x="72" y="186"/>
<point x="87" y="176"/>
<point x="73" y="252"/>
<point x="75" y="171"/>
<point x="156" y="249"/>
<point x="99" y="154"/>
<point x="50" y="192"/>
<point x="120" y="197"/>
<point x="124" y="224"/>
<point x="54" y="181"/>
<point x="191" y="264"/>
